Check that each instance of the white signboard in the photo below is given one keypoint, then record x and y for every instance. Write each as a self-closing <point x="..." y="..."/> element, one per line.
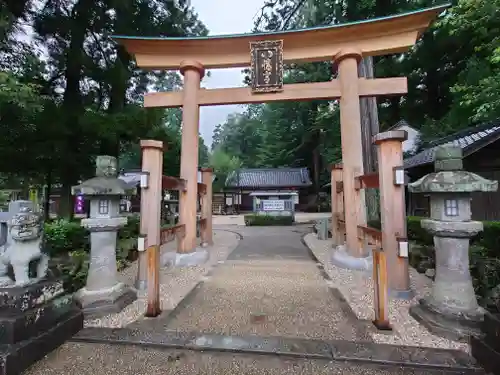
<point x="273" y="205"/>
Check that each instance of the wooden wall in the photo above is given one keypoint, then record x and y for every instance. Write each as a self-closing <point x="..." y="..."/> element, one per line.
<point x="485" y="206"/>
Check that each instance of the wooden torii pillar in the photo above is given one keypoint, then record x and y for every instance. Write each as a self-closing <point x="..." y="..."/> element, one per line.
<point x="352" y="152"/>
<point x="193" y="73"/>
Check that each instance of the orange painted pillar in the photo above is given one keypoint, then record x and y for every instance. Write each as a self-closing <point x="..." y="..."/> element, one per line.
<point x="193" y="73"/>
<point x="352" y="148"/>
<point x="152" y="163"/>
<point x="206" y="207"/>
<point x="337" y="204"/>
<point x="393" y="210"/>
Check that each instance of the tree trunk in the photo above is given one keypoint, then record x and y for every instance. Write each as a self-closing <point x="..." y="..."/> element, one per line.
<point x="48" y="191"/>
<point x="369" y="127"/>
<point x="72" y="102"/>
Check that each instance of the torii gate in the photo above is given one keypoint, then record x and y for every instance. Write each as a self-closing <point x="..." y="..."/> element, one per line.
<point x="345" y="44"/>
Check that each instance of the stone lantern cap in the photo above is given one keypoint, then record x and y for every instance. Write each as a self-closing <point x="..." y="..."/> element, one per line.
<point x="449" y="176"/>
<point x="105" y="182"/>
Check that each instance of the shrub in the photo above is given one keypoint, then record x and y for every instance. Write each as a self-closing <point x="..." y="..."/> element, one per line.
<point x="267" y="220"/>
<point x="62" y="236"/>
<point x="489" y="238"/>
<point x="131" y="229"/>
<point x="415" y="232"/>
<point x="68" y="244"/>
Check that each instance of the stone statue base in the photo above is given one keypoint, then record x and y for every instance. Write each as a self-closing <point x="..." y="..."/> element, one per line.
<point x="452" y="326"/>
<point x="196" y="258"/>
<point x="99" y="303"/>
<point x="341" y="258"/>
<point x="34" y="320"/>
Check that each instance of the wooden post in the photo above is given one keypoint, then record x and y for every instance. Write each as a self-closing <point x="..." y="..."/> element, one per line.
<point x="152" y="162"/>
<point x="352" y="147"/>
<point x="193" y="73"/>
<point x="337" y="204"/>
<point x="206" y="207"/>
<point x="393" y="210"/>
<point x="380" y="304"/>
<point x="153" y="308"/>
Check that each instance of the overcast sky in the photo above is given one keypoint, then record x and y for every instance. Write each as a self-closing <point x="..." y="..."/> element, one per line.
<point x="223" y="17"/>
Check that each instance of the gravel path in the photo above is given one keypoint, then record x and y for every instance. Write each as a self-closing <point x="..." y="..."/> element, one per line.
<point x="175" y="282"/>
<point x="269" y="286"/>
<point x="357" y="288"/>
<point x="93" y="359"/>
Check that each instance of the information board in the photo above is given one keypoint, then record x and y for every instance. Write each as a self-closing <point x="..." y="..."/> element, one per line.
<point x="273" y="205"/>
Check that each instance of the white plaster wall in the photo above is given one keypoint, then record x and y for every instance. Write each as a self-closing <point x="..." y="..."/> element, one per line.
<point x="411" y="142"/>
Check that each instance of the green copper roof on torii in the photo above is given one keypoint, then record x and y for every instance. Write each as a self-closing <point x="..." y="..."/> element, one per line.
<point x="441" y="7"/>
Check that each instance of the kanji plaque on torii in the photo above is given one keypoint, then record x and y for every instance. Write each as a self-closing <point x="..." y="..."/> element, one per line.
<point x="267" y="66"/>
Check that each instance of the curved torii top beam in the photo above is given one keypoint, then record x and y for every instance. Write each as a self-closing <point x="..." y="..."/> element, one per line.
<point x="380" y="36"/>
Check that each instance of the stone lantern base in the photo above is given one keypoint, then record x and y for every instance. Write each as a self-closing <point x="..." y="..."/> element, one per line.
<point x="96" y="304"/>
<point x="451" y="325"/>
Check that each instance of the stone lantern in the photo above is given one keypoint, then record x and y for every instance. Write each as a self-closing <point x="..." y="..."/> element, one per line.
<point x="103" y="294"/>
<point x="451" y="310"/>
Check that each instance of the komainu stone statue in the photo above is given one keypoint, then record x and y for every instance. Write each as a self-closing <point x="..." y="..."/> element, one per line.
<point x="25" y="231"/>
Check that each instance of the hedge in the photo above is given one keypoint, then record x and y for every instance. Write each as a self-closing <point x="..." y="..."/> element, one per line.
<point x="484" y="257"/>
<point x="267" y="220"/>
<point x="489" y="238"/>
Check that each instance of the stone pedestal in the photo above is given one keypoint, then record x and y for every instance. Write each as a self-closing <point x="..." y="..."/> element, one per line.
<point x="103" y="294"/>
<point x="451" y="310"/>
<point x="343" y="259"/>
<point x="197" y="257"/>
<point x="34" y="320"/>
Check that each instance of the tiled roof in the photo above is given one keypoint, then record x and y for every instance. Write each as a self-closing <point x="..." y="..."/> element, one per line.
<point x="470" y="140"/>
<point x="269" y="177"/>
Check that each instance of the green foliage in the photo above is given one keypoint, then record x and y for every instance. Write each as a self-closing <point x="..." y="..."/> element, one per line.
<point x="83" y="96"/>
<point x="222" y="164"/>
<point x="67" y="242"/>
<point x="267" y="220"/>
<point x="416" y="233"/>
<point x="489" y="238"/>
<point x="62" y="236"/>
<point x="131" y="229"/>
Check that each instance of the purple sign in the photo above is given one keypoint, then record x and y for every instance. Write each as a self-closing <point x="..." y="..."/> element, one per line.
<point x="79" y="206"/>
